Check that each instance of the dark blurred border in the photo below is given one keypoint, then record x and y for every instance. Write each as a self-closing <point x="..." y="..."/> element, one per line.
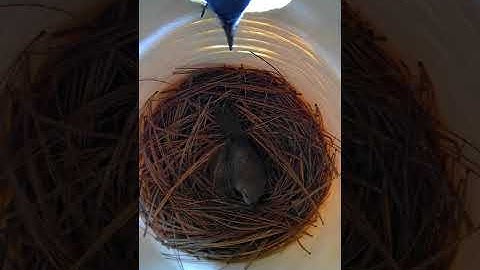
<point x="69" y="135"/>
<point x="437" y="40"/>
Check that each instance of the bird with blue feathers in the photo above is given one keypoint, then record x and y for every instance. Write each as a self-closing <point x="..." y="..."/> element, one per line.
<point x="229" y="12"/>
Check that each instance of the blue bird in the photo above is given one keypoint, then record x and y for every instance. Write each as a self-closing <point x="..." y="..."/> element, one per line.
<point x="229" y="12"/>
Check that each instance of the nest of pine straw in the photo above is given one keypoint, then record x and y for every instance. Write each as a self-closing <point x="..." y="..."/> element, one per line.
<point x="180" y="137"/>
<point x="404" y="173"/>
<point x="69" y="157"/>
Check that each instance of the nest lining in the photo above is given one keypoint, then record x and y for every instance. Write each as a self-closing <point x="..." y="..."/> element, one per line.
<point x="180" y="138"/>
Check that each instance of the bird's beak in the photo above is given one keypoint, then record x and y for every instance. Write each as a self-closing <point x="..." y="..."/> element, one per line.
<point x="230" y="30"/>
<point x="245" y="196"/>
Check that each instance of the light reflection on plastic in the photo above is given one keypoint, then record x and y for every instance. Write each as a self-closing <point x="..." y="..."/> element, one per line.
<point x="240" y="48"/>
<point x="152" y="39"/>
<point x="266" y="5"/>
<point x="258" y="5"/>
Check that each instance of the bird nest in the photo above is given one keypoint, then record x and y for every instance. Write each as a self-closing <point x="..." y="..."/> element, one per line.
<point x="405" y="173"/>
<point x="180" y="139"/>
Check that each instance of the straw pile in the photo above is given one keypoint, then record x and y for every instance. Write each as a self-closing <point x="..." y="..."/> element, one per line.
<point x="179" y="139"/>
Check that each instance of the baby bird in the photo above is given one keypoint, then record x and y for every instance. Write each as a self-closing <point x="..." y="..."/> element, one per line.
<point x="239" y="164"/>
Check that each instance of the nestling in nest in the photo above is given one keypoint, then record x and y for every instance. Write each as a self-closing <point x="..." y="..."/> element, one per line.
<point x="233" y="164"/>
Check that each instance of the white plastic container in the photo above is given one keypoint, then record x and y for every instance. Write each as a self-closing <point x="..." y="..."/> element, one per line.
<point x="302" y="40"/>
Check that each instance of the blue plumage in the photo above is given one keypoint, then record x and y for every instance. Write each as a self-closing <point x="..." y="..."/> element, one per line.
<point x="229" y="12"/>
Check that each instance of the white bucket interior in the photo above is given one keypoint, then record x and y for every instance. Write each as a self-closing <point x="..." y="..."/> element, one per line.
<point x="172" y="35"/>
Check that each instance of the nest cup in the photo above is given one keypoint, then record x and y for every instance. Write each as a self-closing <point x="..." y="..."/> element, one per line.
<point x="202" y="45"/>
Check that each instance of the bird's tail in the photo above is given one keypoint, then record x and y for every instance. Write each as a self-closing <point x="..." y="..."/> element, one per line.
<point x="228" y="121"/>
<point x="230" y="31"/>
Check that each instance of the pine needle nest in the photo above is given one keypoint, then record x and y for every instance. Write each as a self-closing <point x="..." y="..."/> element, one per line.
<point x="405" y="173"/>
<point x="179" y="138"/>
<point x="68" y="104"/>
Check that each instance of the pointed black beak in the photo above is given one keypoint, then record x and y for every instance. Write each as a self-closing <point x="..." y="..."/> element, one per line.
<point x="230" y="30"/>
